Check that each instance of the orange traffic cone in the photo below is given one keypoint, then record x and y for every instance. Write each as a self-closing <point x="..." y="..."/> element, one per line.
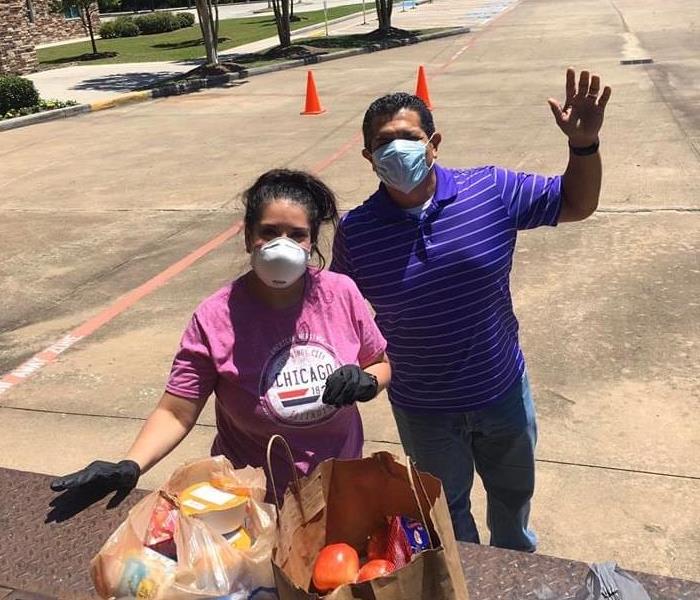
<point x="422" y="88"/>
<point x="313" y="104"/>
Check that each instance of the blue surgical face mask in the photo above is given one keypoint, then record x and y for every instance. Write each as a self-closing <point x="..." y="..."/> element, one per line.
<point x="401" y="164"/>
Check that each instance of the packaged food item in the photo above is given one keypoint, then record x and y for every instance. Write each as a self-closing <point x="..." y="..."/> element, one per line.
<point x="239" y="539"/>
<point x="227" y="484"/>
<point x="400" y="538"/>
<point x="145" y="573"/>
<point x="222" y="511"/>
<point x="416" y="535"/>
<point x="160" y="535"/>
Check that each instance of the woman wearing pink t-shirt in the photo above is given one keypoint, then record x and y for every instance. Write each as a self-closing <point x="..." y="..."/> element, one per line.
<point x="286" y="348"/>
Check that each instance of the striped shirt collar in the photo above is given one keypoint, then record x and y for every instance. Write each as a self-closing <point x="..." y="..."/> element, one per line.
<point x="385" y="208"/>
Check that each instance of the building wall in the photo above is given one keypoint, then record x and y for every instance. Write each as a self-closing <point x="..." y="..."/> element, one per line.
<point x="17" y="54"/>
<point x="51" y="27"/>
<point x="25" y="23"/>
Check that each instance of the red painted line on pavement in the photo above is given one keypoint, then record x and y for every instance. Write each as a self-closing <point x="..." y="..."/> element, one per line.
<point x="340" y="152"/>
<point x="50" y="354"/>
<point x="473" y="39"/>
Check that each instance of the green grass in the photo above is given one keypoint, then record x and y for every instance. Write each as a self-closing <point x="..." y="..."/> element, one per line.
<point x="184" y="44"/>
<point x="333" y="44"/>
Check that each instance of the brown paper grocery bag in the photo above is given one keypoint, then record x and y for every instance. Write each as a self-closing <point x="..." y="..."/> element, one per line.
<point x="347" y="500"/>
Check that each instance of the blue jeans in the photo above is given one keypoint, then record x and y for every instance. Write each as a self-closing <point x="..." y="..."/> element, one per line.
<point x="499" y="441"/>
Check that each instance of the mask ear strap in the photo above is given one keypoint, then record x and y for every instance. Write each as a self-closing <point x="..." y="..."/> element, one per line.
<point x="432" y="164"/>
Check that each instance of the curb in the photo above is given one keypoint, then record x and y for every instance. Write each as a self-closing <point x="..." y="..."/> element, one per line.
<point x="177" y="88"/>
<point x="49" y="115"/>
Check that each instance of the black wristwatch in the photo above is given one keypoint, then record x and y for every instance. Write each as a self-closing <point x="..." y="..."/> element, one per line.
<point x="586" y="150"/>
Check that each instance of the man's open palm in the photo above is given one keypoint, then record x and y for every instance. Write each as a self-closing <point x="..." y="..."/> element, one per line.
<point x="581" y="117"/>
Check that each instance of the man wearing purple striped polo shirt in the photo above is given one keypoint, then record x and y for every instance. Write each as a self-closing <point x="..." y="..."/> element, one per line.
<point x="432" y="250"/>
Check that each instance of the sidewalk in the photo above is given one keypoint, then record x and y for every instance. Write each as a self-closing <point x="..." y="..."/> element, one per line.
<point x="87" y="83"/>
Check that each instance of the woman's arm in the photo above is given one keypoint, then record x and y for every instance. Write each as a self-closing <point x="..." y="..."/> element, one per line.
<point x="381" y="370"/>
<point x="164" y="429"/>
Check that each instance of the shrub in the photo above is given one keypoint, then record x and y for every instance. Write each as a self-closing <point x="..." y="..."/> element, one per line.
<point x="16" y="93"/>
<point x="107" y="30"/>
<point x="185" y="19"/>
<point x="107" y="6"/>
<point x="42" y="106"/>
<point x="126" y="27"/>
<point x="158" y="22"/>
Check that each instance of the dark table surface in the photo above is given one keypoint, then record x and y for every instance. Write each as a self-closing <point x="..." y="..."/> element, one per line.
<point x="45" y="551"/>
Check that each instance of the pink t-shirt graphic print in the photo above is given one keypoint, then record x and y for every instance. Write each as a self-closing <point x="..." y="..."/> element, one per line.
<point x="293" y="381"/>
<point x="268" y="370"/>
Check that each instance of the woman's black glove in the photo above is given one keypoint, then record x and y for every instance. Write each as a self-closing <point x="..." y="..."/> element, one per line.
<point x="349" y="384"/>
<point x="106" y="476"/>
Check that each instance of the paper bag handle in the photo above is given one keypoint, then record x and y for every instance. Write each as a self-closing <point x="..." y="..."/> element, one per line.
<point x="292" y="464"/>
<point x="410" y="468"/>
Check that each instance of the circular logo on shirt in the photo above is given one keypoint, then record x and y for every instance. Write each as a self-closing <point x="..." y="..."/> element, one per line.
<point x="293" y="382"/>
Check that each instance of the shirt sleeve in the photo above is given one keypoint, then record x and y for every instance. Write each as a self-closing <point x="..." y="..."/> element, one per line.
<point x="531" y="200"/>
<point x="372" y="342"/>
<point x="193" y="374"/>
<point x="341" y="262"/>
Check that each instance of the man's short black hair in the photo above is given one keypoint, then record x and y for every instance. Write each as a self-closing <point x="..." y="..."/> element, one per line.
<point x="389" y="105"/>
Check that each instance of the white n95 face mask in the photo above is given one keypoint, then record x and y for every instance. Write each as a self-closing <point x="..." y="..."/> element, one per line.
<point x="280" y="262"/>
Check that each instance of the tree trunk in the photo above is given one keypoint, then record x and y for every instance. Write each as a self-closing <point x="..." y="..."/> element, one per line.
<point x="281" y="9"/>
<point x="384" y="14"/>
<point x="86" y="16"/>
<point x="206" y="24"/>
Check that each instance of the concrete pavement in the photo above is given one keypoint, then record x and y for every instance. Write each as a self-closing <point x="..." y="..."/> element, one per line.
<point x="87" y="83"/>
<point x="96" y="205"/>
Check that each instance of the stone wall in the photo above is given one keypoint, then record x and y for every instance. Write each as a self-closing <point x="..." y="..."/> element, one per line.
<point x="51" y="27"/>
<point x="20" y="32"/>
<point x="17" y="55"/>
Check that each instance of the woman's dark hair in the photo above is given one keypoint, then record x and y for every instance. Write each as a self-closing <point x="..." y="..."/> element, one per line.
<point x="295" y="186"/>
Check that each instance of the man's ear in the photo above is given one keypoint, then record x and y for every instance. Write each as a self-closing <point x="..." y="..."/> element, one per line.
<point x="368" y="155"/>
<point x="434" y="143"/>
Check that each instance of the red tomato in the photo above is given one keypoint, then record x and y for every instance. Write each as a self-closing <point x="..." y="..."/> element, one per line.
<point x="336" y="565"/>
<point x="375" y="568"/>
<point x="377" y="544"/>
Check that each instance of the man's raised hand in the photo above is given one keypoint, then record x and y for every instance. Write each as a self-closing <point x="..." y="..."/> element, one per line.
<point x="581" y="117"/>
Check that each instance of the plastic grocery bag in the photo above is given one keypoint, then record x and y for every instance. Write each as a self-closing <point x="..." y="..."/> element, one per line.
<point x="194" y="561"/>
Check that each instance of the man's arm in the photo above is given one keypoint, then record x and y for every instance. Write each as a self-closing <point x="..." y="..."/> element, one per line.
<point x="581" y="187"/>
<point x="580" y="119"/>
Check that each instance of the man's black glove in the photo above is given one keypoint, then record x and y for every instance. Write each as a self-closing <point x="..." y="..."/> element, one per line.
<point x="106" y="476"/>
<point x="349" y="384"/>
